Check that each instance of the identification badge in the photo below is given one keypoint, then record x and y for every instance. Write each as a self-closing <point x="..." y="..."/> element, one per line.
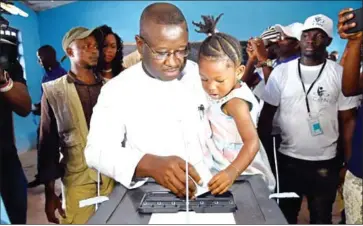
<point x="315" y="126"/>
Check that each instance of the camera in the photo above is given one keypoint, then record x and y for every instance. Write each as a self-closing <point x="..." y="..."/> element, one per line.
<point x="4" y="24"/>
<point x="357" y="19"/>
<point x="8" y="53"/>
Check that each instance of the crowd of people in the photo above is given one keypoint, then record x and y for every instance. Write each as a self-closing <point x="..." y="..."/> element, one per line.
<point x="291" y="109"/>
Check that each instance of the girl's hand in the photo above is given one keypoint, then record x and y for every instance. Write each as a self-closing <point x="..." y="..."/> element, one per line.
<point x="222" y="181"/>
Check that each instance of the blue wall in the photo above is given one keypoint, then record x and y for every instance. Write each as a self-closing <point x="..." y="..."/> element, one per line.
<point x="25" y="128"/>
<point x="242" y="19"/>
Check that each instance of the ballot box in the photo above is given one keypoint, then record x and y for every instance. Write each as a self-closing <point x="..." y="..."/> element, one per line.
<point x="247" y="202"/>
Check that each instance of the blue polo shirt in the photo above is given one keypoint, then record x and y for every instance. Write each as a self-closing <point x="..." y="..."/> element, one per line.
<point x="356" y="161"/>
<point x="55" y="73"/>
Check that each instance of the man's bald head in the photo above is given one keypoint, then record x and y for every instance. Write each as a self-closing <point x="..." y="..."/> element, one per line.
<point x="162" y="14"/>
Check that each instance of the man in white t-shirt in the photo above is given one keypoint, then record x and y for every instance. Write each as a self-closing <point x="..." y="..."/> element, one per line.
<point x="307" y="91"/>
<point x="154" y="107"/>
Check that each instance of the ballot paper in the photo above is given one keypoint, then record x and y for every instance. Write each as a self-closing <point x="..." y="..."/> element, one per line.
<point x="92" y="201"/>
<point x="192" y="218"/>
<point x="205" y="174"/>
<point x="284" y="195"/>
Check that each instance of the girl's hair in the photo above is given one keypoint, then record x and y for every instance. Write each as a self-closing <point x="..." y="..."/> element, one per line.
<point x="218" y="45"/>
<point x="101" y="33"/>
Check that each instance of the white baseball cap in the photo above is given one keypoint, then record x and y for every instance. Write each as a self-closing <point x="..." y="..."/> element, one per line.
<point x="319" y="21"/>
<point x="293" y="30"/>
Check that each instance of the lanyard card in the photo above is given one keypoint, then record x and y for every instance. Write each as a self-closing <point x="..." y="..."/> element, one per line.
<point x="314" y="125"/>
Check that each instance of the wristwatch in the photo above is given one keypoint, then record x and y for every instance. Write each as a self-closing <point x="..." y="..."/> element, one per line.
<point x="5" y="78"/>
<point x="267" y="63"/>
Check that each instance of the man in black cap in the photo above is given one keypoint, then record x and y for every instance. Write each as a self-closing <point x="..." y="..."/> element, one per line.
<point x="67" y="105"/>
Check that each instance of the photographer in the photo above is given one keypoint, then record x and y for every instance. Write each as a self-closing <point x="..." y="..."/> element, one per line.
<point x="282" y="43"/>
<point x="14" y="97"/>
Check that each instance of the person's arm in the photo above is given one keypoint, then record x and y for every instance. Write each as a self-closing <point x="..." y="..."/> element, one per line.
<point x="271" y="98"/>
<point x="352" y="80"/>
<point x="18" y="96"/>
<point x="347" y="125"/>
<point x="239" y="110"/>
<point x="49" y="168"/>
<point x="266" y="71"/>
<point x="347" y="109"/>
<point x="104" y="151"/>
<point x="262" y="57"/>
<point x="249" y="74"/>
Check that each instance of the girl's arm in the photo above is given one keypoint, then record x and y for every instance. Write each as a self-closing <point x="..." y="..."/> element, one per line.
<point x="240" y="111"/>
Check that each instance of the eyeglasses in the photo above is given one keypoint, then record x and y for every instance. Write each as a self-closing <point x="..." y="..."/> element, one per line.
<point x="164" y="55"/>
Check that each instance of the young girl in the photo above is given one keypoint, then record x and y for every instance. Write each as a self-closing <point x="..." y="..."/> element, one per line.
<point x="232" y="113"/>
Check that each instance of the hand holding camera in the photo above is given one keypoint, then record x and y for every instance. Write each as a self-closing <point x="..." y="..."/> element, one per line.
<point x="350" y="24"/>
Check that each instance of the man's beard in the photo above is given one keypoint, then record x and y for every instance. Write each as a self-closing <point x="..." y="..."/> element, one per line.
<point x="89" y="67"/>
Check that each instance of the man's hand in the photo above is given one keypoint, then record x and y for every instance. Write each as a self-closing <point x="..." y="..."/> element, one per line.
<point x="342" y="173"/>
<point x="170" y="173"/>
<point x="259" y="47"/>
<point x="342" y="27"/>
<point x="250" y="51"/>
<point x="53" y="203"/>
<point x="220" y="183"/>
<point x="36" y="109"/>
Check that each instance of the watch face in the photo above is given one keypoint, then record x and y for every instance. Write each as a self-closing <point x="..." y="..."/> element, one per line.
<point x="4" y="77"/>
<point x="269" y="62"/>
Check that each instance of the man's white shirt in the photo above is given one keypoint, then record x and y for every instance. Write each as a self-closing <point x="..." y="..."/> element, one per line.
<point x="158" y="117"/>
<point x="284" y="89"/>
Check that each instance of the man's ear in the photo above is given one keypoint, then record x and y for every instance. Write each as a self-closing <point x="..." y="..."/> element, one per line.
<point x="328" y="41"/>
<point x="240" y="71"/>
<point x="139" y="44"/>
<point x="69" y="52"/>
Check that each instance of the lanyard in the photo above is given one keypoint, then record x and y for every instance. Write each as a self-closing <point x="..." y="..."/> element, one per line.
<point x="311" y="86"/>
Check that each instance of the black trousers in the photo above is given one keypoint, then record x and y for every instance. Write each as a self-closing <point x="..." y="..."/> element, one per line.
<point x="317" y="180"/>
<point x="13" y="186"/>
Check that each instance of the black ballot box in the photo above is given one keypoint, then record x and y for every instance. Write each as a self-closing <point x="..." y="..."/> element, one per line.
<point x="248" y="200"/>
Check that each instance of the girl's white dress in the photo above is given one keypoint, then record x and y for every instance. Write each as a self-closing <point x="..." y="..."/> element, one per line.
<point x="227" y="140"/>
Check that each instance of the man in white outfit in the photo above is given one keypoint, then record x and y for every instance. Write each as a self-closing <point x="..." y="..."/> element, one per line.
<point x="153" y="107"/>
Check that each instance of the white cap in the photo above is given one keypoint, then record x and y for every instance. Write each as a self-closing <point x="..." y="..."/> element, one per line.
<point x="319" y="21"/>
<point x="293" y="30"/>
